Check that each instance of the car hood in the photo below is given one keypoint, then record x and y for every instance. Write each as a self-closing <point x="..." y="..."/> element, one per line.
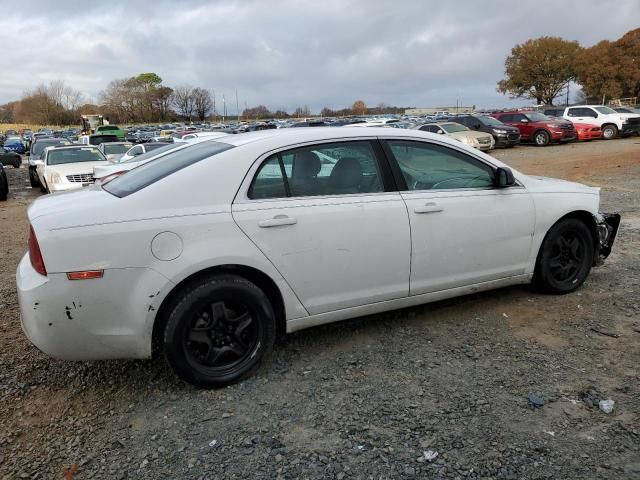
<point x="628" y="115"/>
<point x="75" y="168"/>
<point x="470" y="134"/>
<point x="508" y="128"/>
<point x="556" y="185"/>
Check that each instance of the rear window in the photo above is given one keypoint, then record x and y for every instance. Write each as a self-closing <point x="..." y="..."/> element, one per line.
<point x="39" y="147"/>
<point x="74" y="155"/>
<point x="115" y="149"/>
<point x="149" y="173"/>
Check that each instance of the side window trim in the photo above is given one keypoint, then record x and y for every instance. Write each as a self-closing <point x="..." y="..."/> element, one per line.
<point x="399" y="177"/>
<point x="389" y="183"/>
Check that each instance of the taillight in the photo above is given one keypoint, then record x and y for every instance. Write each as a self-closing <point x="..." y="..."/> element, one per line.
<point x="35" y="254"/>
<point x="108" y="178"/>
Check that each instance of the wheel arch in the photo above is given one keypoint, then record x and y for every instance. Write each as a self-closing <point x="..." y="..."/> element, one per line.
<point x="541" y="129"/>
<point x="582" y="215"/>
<point x="259" y="278"/>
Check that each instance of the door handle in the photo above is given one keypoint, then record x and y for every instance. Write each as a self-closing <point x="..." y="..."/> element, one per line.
<point x="431" y="207"/>
<point x="277" y="221"/>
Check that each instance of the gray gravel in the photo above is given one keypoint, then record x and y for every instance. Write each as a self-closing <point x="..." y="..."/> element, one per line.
<point x="359" y="399"/>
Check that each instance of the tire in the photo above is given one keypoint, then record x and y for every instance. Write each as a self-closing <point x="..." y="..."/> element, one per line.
<point x="219" y="331"/>
<point x="4" y="188"/>
<point x="609" y="132"/>
<point x="18" y="162"/>
<point x="33" y="179"/>
<point x="565" y="257"/>
<point x="541" y="138"/>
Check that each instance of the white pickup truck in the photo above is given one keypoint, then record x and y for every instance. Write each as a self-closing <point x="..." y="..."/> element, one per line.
<point x="611" y="122"/>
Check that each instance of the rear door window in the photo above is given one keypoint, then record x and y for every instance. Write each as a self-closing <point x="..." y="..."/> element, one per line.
<point x="151" y="172"/>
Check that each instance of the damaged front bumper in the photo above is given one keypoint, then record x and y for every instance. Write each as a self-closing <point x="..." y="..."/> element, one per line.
<point x="607" y="228"/>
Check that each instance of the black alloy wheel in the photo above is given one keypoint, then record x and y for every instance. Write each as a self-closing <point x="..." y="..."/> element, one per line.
<point x="219" y="331"/>
<point x="565" y="258"/>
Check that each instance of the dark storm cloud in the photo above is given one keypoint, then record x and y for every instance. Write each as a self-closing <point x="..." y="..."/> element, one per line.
<point x="289" y="53"/>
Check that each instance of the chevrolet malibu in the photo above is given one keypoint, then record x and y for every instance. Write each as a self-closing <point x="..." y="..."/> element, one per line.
<point x="207" y="253"/>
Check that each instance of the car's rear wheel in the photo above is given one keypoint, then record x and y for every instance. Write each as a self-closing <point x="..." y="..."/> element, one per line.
<point x="609" y="132"/>
<point x="17" y="162"/>
<point x="219" y="331"/>
<point x="565" y="257"/>
<point x="33" y="178"/>
<point x="541" y="138"/>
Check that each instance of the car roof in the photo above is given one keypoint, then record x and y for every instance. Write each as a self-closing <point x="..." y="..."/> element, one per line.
<point x="277" y="138"/>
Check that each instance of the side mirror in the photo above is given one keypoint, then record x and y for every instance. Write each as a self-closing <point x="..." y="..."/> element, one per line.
<point x="441" y="132"/>
<point x="504" y="177"/>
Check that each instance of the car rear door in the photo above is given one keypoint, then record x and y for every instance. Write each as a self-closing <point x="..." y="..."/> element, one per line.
<point x="464" y="231"/>
<point x="581" y="115"/>
<point x="327" y="216"/>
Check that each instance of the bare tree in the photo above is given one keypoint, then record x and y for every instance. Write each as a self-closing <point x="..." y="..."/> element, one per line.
<point x="183" y="101"/>
<point x="202" y="102"/>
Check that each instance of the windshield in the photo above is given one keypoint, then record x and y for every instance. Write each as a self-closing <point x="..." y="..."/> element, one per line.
<point x="39" y="147"/>
<point x="536" y="117"/>
<point x="453" y="127"/>
<point x="115" y="149"/>
<point x="160" y="148"/>
<point x="493" y="122"/>
<point x="605" y="110"/>
<point x="107" y="127"/>
<point x="74" y="155"/>
<point x="149" y="173"/>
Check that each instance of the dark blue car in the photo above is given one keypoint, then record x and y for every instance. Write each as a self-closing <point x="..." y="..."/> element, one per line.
<point x="14" y="145"/>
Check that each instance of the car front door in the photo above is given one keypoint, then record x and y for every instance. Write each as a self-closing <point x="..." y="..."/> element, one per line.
<point x="464" y="231"/>
<point x="328" y="218"/>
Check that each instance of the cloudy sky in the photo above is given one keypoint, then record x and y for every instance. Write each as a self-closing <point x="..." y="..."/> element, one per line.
<point x="285" y="53"/>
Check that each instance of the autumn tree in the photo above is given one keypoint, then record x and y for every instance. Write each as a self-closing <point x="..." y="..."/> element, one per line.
<point x="202" y="102"/>
<point x="183" y="101"/>
<point x="359" y="107"/>
<point x="611" y="69"/>
<point x="257" y="112"/>
<point x="540" y="69"/>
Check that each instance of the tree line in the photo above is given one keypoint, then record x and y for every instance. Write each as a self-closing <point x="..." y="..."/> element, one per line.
<point x="544" y="69"/>
<point x="145" y="99"/>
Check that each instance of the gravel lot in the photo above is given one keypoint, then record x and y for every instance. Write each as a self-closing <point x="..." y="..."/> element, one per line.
<point x="363" y="398"/>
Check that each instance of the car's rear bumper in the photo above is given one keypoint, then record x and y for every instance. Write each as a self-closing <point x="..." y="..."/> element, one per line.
<point x="607" y="226"/>
<point x="107" y="318"/>
<point x="629" y="129"/>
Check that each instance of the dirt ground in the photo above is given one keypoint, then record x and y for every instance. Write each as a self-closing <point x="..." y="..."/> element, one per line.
<point x="364" y="398"/>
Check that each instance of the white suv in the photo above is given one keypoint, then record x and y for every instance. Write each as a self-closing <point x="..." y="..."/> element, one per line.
<point x="611" y="122"/>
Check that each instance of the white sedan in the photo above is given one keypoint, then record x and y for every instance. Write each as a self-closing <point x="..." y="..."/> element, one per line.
<point x="68" y="168"/>
<point x="207" y="252"/>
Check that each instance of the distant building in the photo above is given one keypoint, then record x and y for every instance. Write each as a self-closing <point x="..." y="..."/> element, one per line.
<point x="434" y="110"/>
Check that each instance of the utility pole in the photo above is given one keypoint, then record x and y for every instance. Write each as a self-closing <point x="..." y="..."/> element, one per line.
<point x="224" y="109"/>
<point x="237" y="107"/>
<point x="215" y="117"/>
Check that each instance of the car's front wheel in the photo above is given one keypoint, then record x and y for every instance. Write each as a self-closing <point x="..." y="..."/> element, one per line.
<point x="542" y="138"/>
<point x="565" y="257"/>
<point x="219" y="331"/>
<point x="609" y="132"/>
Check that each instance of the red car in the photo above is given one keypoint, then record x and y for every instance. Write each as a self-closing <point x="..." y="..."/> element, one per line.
<point x="587" y="131"/>
<point x="538" y="128"/>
